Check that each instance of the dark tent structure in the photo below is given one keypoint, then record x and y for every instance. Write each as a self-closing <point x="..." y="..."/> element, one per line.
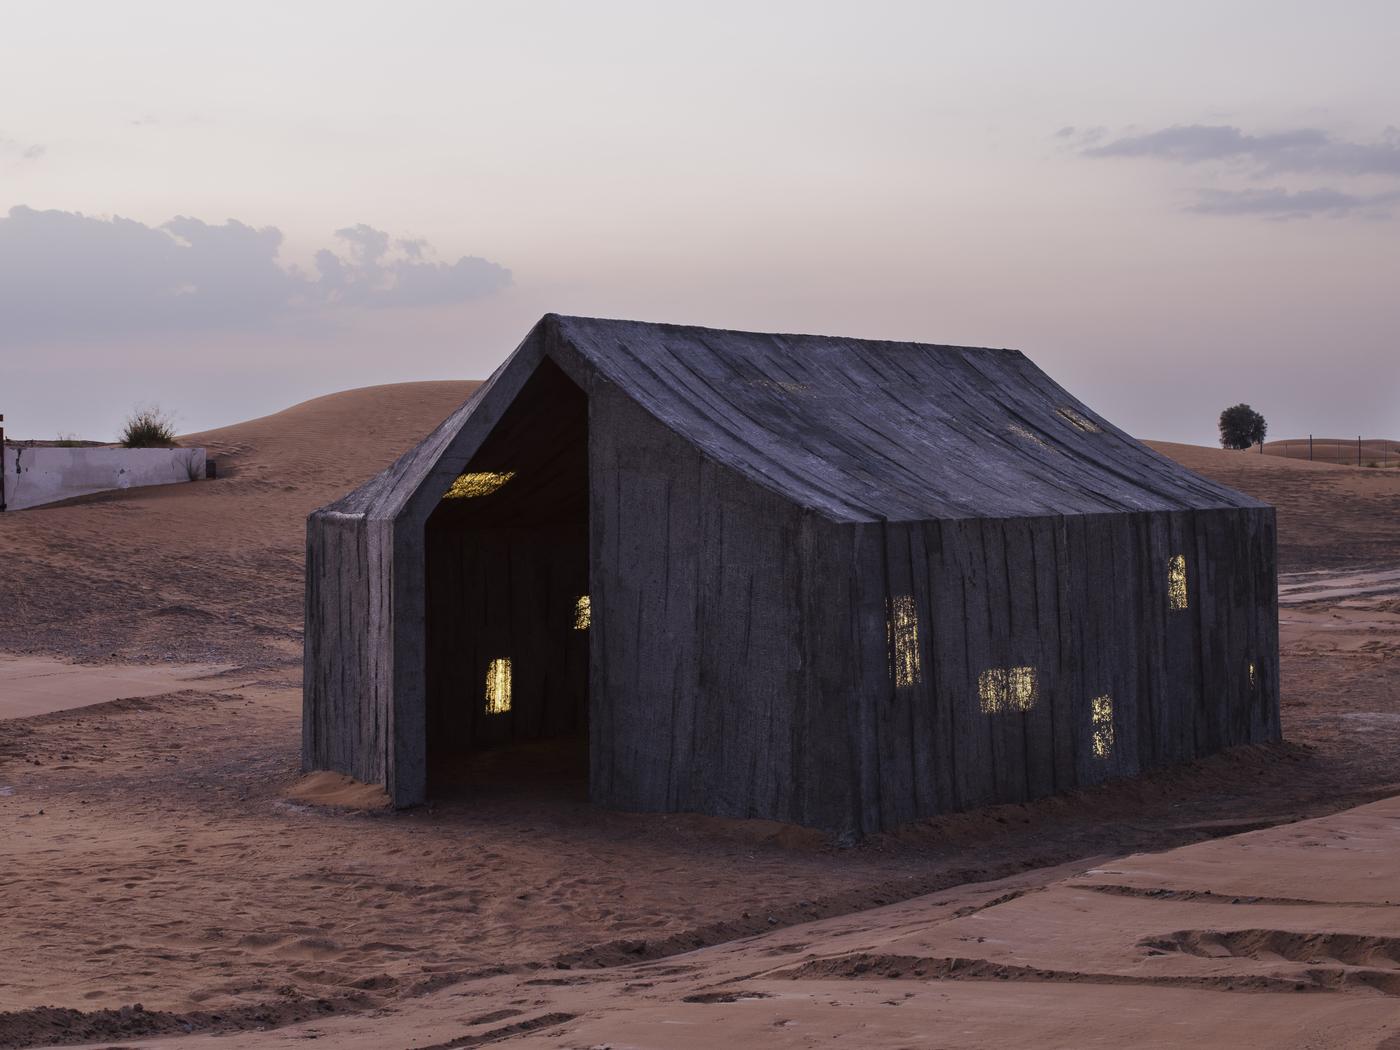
<point x="838" y="582"/>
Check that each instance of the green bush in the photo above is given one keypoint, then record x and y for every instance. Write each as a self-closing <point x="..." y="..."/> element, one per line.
<point x="149" y="428"/>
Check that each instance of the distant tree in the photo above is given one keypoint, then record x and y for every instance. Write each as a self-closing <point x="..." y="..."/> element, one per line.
<point x="1241" y="427"/>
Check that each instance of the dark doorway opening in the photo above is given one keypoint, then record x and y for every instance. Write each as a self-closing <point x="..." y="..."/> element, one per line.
<point x="508" y="613"/>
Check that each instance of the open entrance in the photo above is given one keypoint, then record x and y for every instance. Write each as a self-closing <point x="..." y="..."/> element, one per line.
<point x="508" y="611"/>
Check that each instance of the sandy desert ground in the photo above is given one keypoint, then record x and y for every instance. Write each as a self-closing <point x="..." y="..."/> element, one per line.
<point x="1373" y="452"/>
<point x="160" y="848"/>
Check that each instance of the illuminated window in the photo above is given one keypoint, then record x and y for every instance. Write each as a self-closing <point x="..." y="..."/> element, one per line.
<point x="1176" y="581"/>
<point x="480" y="483"/>
<point x="1253" y="676"/>
<point x="498" y="687"/>
<point x="1029" y="435"/>
<point x="1101" y="711"/>
<point x="583" y="613"/>
<point x="1079" y="421"/>
<point x="1007" y="689"/>
<point x="902" y="630"/>
<point x="786" y="386"/>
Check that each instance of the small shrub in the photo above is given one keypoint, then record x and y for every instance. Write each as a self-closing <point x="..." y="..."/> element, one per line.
<point x="149" y="428"/>
<point x="67" y="441"/>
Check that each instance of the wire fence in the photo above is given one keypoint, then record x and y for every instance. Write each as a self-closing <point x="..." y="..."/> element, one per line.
<point x="1380" y="453"/>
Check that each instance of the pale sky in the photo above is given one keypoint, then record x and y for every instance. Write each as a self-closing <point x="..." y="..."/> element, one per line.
<point x="1170" y="208"/>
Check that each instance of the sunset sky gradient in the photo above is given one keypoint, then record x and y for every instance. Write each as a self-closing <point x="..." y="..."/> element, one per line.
<point x="225" y="209"/>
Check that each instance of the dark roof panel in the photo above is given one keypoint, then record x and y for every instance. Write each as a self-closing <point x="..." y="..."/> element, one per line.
<point x="862" y="430"/>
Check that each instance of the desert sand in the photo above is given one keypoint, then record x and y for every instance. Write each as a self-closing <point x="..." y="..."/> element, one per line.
<point x="163" y="849"/>
<point x="1329" y="515"/>
<point x="209" y="572"/>
<point x="37" y="685"/>
<point x="1373" y="452"/>
<point x="1215" y="945"/>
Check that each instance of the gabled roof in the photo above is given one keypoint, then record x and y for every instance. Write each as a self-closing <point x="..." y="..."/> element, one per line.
<point x="862" y="429"/>
<point x="854" y="429"/>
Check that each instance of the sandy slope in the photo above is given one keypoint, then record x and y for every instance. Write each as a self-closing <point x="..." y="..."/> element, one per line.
<point x="163" y="851"/>
<point x="1328" y="515"/>
<point x="1382" y="452"/>
<point x="209" y="572"/>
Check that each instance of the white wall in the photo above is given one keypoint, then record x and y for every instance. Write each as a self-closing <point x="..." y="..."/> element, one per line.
<point x="34" y="476"/>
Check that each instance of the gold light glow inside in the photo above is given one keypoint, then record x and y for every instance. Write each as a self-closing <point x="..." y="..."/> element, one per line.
<point x="498" y="687"/>
<point x="1101" y="712"/>
<point x="786" y="386"/>
<point x="1176" y="582"/>
<point x="902" y="630"/>
<point x="1079" y="421"/>
<point x="478" y="483"/>
<point x="1029" y="435"/>
<point x="1003" y="689"/>
<point x="583" y="613"/>
<point x="1253" y="676"/>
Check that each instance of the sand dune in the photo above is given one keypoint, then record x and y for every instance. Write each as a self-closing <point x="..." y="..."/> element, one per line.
<point x="1328" y="515"/>
<point x="209" y="572"/>
<point x="1373" y="452"/>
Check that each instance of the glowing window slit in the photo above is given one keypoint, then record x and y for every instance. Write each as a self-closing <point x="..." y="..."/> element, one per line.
<point x="1176" y="582"/>
<point x="583" y="613"/>
<point x="1253" y="676"/>
<point x="1101" y="713"/>
<point x="1002" y="689"/>
<point x="902" y="630"/>
<point x="1028" y="435"/>
<point x="478" y="483"/>
<point x="1079" y="421"/>
<point x="498" y="686"/>
<point x="785" y="385"/>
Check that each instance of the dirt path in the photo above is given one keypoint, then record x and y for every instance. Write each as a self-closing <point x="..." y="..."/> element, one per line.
<point x="1301" y="588"/>
<point x="37" y="685"/>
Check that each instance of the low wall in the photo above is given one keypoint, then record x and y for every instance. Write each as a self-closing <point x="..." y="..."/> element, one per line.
<point x="34" y="476"/>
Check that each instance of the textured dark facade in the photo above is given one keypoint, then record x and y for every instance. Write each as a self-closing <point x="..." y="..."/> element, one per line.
<point x="837" y="582"/>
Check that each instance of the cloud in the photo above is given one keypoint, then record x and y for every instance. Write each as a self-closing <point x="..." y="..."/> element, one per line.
<point x="19" y="150"/>
<point x="1079" y="139"/>
<point x="65" y="274"/>
<point x="1279" y="203"/>
<point x="375" y="272"/>
<point x="1254" y="157"/>
<point x="1298" y="151"/>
